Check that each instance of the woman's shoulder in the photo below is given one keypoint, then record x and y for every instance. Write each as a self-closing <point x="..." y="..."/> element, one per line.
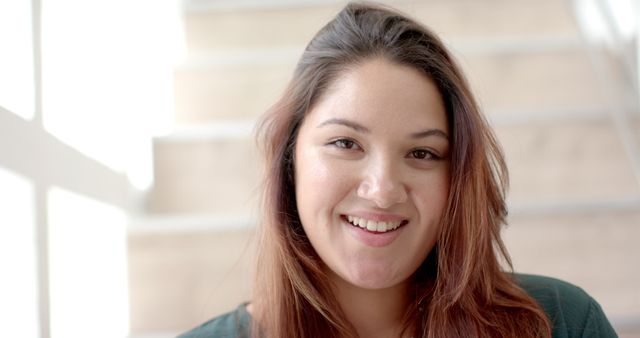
<point x="553" y="291"/>
<point x="234" y="324"/>
<point x="573" y="312"/>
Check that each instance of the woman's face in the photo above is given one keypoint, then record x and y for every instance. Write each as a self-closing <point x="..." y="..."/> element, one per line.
<point x="372" y="173"/>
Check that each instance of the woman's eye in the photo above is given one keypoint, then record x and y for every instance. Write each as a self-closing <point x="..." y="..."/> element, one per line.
<point x="423" y="154"/>
<point x="345" y="144"/>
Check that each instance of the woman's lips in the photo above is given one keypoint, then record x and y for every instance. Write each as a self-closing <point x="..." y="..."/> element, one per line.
<point x="362" y="229"/>
<point x="374" y="225"/>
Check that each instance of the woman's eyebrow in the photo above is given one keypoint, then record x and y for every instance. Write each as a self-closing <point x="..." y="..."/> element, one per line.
<point x="360" y="128"/>
<point x="430" y="132"/>
<point x="353" y="125"/>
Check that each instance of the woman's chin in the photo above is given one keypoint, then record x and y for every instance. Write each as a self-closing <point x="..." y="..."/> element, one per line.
<point x="373" y="279"/>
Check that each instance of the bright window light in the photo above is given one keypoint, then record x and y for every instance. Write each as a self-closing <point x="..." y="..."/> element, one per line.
<point x="16" y="58"/>
<point x="625" y="12"/>
<point x="594" y="20"/>
<point x="87" y="268"/>
<point x="18" y="286"/>
<point x="107" y="78"/>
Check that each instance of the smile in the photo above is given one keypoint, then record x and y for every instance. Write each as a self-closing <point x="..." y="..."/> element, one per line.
<point x="374" y="226"/>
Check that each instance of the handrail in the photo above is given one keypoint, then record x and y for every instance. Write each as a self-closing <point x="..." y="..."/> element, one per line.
<point x="617" y="39"/>
<point x="622" y="123"/>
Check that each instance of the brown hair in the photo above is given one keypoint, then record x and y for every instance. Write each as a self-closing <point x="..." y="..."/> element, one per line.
<point x="460" y="289"/>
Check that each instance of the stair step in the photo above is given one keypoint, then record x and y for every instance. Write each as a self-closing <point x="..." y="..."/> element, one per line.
<point x="206" y="175"/>
<point x="205" y="94"/>
<point x="594" y="250"/>
<point x="269" y="26"/>
<point x="566" y="160"/>
<point x="179" y="280"/>
<point x="538" y="80"/>
<point x="550" y="161"/>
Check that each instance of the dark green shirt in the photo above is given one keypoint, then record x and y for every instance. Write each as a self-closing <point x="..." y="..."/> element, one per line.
<point x="573" y="313"/>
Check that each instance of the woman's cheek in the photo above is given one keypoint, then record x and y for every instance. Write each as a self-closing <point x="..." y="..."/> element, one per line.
<point x="323" y="184"/>
<point x="328" y="179"/>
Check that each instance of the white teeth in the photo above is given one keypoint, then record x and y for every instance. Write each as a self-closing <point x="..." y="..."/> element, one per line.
<point x="373" y="225"/>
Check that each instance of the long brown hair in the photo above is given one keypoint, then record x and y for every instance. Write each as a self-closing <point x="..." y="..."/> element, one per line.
<point x="461" y="289"/>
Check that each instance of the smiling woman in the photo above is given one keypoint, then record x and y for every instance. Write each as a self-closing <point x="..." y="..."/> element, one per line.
<point x="384" y="198"/>
<point x="358" y="145"/>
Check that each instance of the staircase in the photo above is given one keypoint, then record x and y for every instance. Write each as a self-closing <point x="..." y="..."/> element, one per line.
<point x="565" y="112"/>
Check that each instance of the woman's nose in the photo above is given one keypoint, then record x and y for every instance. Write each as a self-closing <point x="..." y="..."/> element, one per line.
<point x="382" y="185"/>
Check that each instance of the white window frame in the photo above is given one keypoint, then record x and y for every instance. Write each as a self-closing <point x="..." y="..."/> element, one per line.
<point x="27" y="149"/>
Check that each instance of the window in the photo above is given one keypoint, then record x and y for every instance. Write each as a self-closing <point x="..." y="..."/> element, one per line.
<point x="90" y="89"/>
<point x="18" y="289"/>
<point x="87" y="260"/>
<point x="16" y="59"/>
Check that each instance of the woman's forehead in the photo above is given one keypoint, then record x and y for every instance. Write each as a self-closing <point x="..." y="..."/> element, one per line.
<point x="378" y="90"/>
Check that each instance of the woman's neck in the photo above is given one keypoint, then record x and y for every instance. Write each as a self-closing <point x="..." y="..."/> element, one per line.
<point x="374" y="313"/>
